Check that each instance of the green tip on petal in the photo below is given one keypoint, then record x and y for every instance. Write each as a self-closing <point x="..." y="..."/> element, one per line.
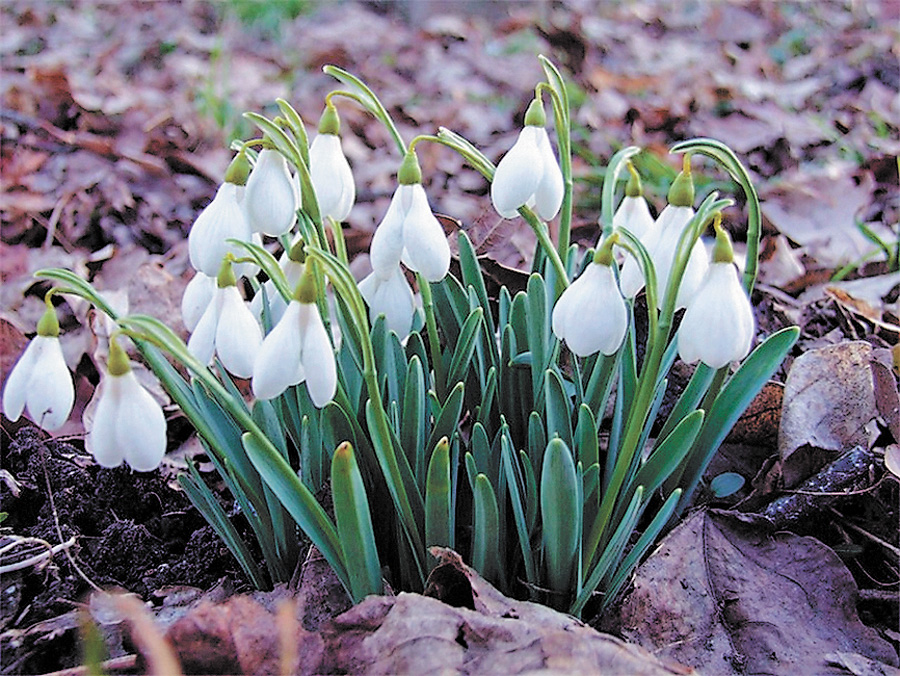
<point x="48" y="324"/>
<point x="118" y="364"/>
<point x="410" y="172"/>
<point x="238" y="170"/>
<point x="535" y="116"/>
<point x="297" y="251"/>
<point x="681" y="194"/>
<point x="306" y="287"/>
<point x="226" y="277"/>
<point x="604" y="254"/>
<point x="330" y="122"/>
<point x="723" y="252"/>
<point x="634" y="187"/>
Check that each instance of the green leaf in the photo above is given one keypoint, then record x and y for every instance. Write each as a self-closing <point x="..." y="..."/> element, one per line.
<point x="448" y="420"/>
<point x="725" y="484"/>
<point x="538" y="332"/>
<point x="486" y="536"/>
<point x="438" y="517"/>
<point x="354" y="525"/>
<point x="587" y="445"/>
<point x="465" y="347"/>
<point x="298" y="500"/>
<point x="731" y="402"/>
<point x="558" y="408"/>
<point x="413" y="421"/>
<point x="560" y="517"/>
<point x="514" y="483"/>
<point x="480" y="447"/>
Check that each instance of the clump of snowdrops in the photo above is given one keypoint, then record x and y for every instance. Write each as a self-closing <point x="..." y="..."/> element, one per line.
<point x="521" y="430"/>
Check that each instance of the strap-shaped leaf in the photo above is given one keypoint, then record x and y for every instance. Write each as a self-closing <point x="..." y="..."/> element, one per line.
<point x="448" y="420"/>
<point x="587" y="444"/>
<point x="731" y="402"/>
<point x="560" y="517"/>
<point x="515" y="486"/>
<point x="438" y="504"/>
<point x="486" y="535"/>
<point x="558" y="409"/>
<point x="465" y="347"/>
<point x="414" y="420"/>
<point x="354" y="525"/>
<point x="299" y="502"/>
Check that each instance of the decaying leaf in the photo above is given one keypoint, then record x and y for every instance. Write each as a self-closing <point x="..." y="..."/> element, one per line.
<point x="728" y="596"/>
<point x="829" y="407"/>
<point x="409" y="633"/>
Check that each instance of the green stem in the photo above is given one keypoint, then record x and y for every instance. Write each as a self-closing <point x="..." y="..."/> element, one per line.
<point x="564" y="141"/>
<point x="434" y="343"/>
<point x="546" y="244"/>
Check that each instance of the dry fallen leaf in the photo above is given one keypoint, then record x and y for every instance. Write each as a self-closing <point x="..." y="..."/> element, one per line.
<point x="829" y="407"/>
<point x="728" y="596"/>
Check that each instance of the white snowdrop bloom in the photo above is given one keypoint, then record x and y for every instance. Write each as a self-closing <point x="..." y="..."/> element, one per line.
<point x="331" y="176"/>
<point x="672" y="222"/>
<point x="128" y="422"/>
<point x="634" y="215"/>
<point x="297" y="350"/>
<point x="590" y="315"/>
<point x="196" y="298"/>
<point x="221" y="220"/>
<point x="409" y="232"/>
<point x="390" y="295"/>
<point x="40" y="383"/>
<point x="529" y="173"/>
<point x="270" y="198"/>
<point x="718" y="325"/>
<point x="228" y="329"/>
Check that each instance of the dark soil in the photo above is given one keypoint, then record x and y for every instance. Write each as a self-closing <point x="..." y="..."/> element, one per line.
<point x="132" y="530"/>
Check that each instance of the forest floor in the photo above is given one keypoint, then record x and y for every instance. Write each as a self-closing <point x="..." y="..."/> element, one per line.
<point x="115" y="120"/>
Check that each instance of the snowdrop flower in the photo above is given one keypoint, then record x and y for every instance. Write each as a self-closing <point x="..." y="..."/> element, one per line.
<point x="221" y="220"/>
<point x="590" y="315"/>
<point x="196" y="298"/>
<point x="40" y="381"/>
<point x="129" y="423"/>
<point x="529" y="173"/>
<point x="391" y="296"/>
<point x="291" y="265"/>
<point x="634" y="215"/>
<point x="227" y="328"/>
<point x="718" y="326"/>
<point x="409" y="232"/>
<point x="329" y="170"/>
<point x="297" y="350"/>
<point x="270" y="199"/>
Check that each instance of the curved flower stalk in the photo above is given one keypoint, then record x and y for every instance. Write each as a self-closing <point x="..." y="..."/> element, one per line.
<point x="409" y="232"/>
<point x="291" y="263"/>
<point x="128" y="424"/>
<point x="590" y="315"/>
<point x="197" y="296"/>
<point x="718" y="325"/>
<point x="227" y="328"/>
<point x="40" y="381"/>
<point x="329" y="170"/>
<point x="297" y="350"/>
<point x="270" y="198"/>
<point x="529" y="175"/>
<point x="221" y="220"/>
<point x="390" y="295"/>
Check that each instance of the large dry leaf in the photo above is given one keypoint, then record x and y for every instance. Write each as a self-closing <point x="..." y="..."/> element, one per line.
<point x="410" y="633"/>
<point x="729" y="597"/>
<point x="829" y="407"/>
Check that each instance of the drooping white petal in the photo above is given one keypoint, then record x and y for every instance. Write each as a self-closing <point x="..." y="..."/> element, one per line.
<point x="331" y="176"/>
<point x="387" y="243"/>
<point x="718" y="325"/>
<point x="238" y="336"/>
<point x="317" y="356"/>
<point x="102" y="439"/>
<point x="278" y="364"/>
<point x="590" y="315"/>
<point x="634" y="216"/>
<point x="197" y="296"/>
<point x="425" y="250"/>
<point x="391" y="296"/>
<point x="15" y="392"/>
<point x="518" y="174"/>
<point x="270" y="204"/>
<point x="141" y="425"/>
<point x="671" y="223"/>
<point x="202" y="343"/>
<point x="51" y="392"/>
<point x="548" y="196"/>
<point x="222" y="219"/>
